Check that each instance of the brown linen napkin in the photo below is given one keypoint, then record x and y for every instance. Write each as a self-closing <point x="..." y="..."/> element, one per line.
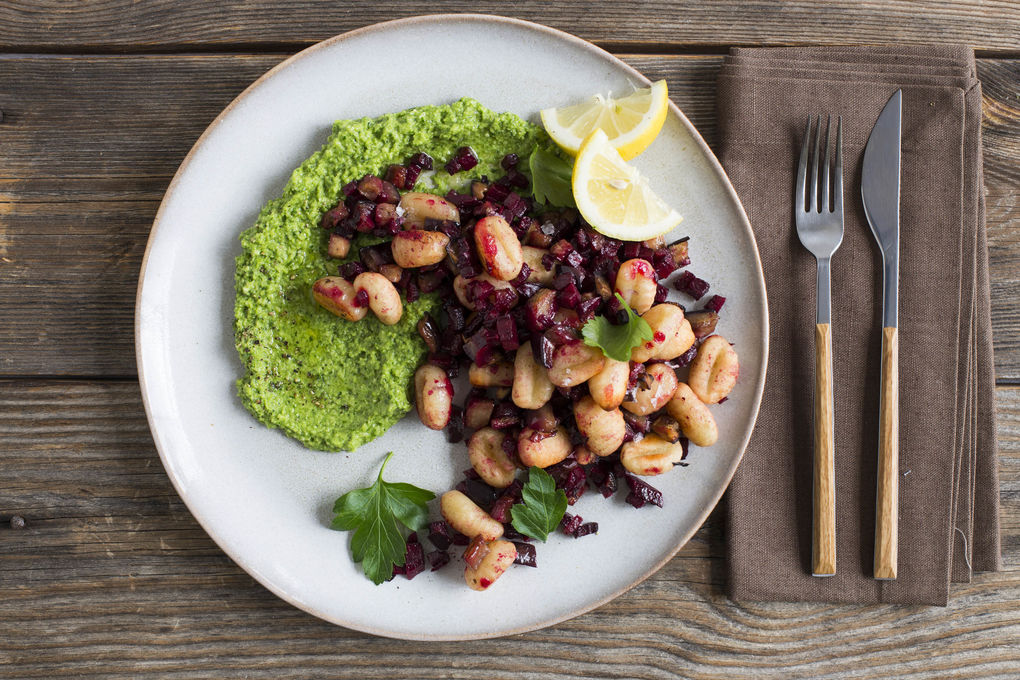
<point x="948" y="521"/>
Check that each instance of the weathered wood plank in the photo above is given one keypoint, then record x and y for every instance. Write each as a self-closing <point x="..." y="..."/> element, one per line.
<point x="113" y="578"/>
<point x="79" y="186"/>
<point x="124" y="25"/>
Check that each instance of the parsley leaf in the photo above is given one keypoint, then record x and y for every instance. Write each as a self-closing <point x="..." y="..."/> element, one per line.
<point x="372" y="514"/>
<point x="550" y="178"/>
<point x="616" y="342"/>
<point x="543" y="506"/>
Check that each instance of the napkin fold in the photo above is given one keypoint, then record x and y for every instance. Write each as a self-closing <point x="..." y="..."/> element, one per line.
<point x="949" y="492"/>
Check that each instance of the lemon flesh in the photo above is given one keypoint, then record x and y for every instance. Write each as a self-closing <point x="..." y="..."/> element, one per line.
<point x="631" y="123"/>
<point x="613" y="196"/>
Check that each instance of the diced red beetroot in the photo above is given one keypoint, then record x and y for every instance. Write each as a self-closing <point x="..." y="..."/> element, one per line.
<point x="661" y="293"/>
<point x="510" y="160"/>
<point x="615" y="312"/>
<point x="455" y="428"/>
<point x="481" y="493"/>
<point x="411" y="176"/>
<point x="570" y="477"/>
<point x="645" y="253"/>
<point x="561" y="249"/>
<point x="589" y="308"/>
<point x="542" y="348"/>
<point x="464" y="159"/>
<point x="458" y="538"/>
<point x="518" y="179"/>
<point x="496" y="193"/>
<point x="334" y="216"/>
<point x="522" y="276"/>
<point x="515" y="204"/>
<point x="507" y="330"/>
<point x="480" y="347"/>
<point x="525" y="554"/>
<point x="631" y="250"/>
<point x="569" y="296"/>
<point x="602" y="477"/>
<point x="350" y="270"/>
<point x="642" y="492"/>
<point x="502" y="299"/>
<point x="586" y="529"/>
<point x="570" y="523"/>
<point x="421" y="160"/>
<point x="575" y="259"/>
<point x="478" y="291"/>
<point x="715" y="303"/>
<point x="350" y="188"/>
<point x="438" y="559"/>
<point x="562" y="335"/>
<point x="414" y="557"/>
<point x="512" y="534"/>
<point x="691" y="284"/>
<point x="504" y="416"/>
<point x="663" y="263"/>
<point x="440" y="534"/>
<point x="361" y="298"/>
<point x="362" y="217"/>
<point x="411" y="291"/>
<point x="526" y="290"/>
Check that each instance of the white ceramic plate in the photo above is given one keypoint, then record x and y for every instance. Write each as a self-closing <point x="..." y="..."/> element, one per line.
<point x="264" y="498"/>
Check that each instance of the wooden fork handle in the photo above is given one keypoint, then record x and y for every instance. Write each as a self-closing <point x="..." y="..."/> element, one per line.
<point x="823" y="526"/>
<point x="887" y="498"/>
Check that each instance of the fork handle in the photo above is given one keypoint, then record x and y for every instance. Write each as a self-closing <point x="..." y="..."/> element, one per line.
<point x="823" y="526"/>
<point x="887" y="499"/>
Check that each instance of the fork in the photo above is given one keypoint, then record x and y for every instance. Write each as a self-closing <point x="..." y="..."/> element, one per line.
<point x="820" y="229"/>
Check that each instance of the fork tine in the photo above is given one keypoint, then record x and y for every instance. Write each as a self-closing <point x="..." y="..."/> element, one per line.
<point x="800" y="190"/>
<point x="838" y="184"/>
<point x="813" y="185"/>
<point x="826" y="175"/>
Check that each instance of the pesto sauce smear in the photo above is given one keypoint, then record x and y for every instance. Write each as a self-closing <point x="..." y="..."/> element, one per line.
<point x="333" y="384"/>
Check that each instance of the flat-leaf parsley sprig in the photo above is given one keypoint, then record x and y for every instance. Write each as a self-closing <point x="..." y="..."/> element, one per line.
<point x="543" y="506"/>
<point x="372" y="514"/>
<point x="616" y="342"/>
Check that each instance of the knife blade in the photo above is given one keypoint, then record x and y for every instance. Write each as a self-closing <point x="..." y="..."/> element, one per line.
<point x="880" y="191"/>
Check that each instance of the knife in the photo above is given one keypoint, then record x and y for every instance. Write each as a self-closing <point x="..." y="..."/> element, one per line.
<point x="880" y="189"/>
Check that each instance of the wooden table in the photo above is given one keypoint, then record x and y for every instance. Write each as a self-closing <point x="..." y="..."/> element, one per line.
<point x="112" y="577"/>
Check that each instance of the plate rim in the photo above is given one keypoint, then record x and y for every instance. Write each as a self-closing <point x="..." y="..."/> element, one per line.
<point x="716" y="169"/>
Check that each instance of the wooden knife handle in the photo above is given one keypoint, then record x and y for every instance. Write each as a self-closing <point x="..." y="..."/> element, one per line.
<point x="887" y="503"/>
<point x="823" y="544"/>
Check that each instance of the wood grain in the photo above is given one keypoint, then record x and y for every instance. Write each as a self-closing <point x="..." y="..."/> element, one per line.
<point x="887" y="497"/>
<point x="80" y="185"/>
<point x="113" y="578"/>
<point x="823" y="521"/>
<point x="188" y="24"/>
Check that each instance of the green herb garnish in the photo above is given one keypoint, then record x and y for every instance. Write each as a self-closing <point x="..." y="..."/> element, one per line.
<point x="616" y="342"/>
<point x="550" y="179"/>
<point x="372" y="514"/>
<point x="543" y="506"/>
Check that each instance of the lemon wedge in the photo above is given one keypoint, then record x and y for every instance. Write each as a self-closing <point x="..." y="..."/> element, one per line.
<point x="613" y="196"/>
<point x="631" y="122"/>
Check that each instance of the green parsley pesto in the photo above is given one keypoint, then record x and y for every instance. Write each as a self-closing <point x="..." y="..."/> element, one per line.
<point x="330" y="383"/>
